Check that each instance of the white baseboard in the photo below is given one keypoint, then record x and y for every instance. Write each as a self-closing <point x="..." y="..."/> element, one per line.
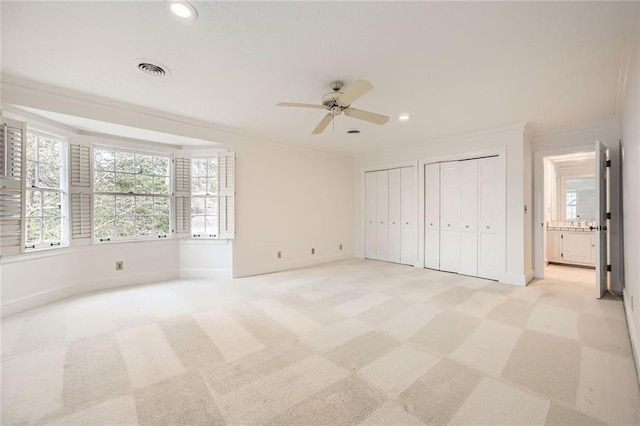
<point x="14" y="306"/>
<point x="205" y="273"/>
<point x="291" y="264"/>
<point x="633" y="331"/>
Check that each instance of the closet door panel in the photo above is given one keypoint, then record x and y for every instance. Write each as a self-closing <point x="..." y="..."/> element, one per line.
<point x="409" y="210"/>
<point x="432" y="216"/>
<point x="432" y="249"/>
<point x="491" y="218"/>
<point x="468" y="217"/>
<point x="409" y="214"/>
<point x="394" y="197"/>
<point x="449" y="196"/>
<point x="371" y="231"/>
<point x="382" y="215"/>
<point x="449" y="216"/>
<point x="449" y="250"/>
<point x="395" y="192"/>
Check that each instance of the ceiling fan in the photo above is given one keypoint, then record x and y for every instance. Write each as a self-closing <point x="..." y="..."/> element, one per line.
<point x="338" y="102"/>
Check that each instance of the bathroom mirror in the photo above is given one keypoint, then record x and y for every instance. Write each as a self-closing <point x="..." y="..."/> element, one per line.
<point x="580" y="198"/>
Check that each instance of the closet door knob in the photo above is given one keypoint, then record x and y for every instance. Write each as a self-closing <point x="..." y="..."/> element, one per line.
<point x="448" y="224"/>
<point x="431" y="224"/>
<point x="407" y="223"/>
<point x="466" y="226"/>
<point x="381" y="222"/>
<point x="487" y="226"/>
<point x="393" y="223"/>
<point x="370" y="221"/>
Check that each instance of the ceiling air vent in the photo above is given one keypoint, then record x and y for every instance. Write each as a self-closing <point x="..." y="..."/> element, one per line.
<point x="353" y="132"/>
<point x="152" y="69"/>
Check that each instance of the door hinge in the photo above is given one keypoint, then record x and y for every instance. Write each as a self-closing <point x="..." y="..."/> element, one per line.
<point x="608" y="163"/>
<point x="562" y="236"/>
<point x="608" y="268"/>
<point x="608" y="215"/>
<point x="561" y="254"/>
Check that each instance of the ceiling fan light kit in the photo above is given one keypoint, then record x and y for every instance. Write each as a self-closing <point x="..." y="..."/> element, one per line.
<point x="337" y="102"/>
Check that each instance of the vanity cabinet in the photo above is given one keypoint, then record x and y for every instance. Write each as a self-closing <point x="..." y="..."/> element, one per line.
<point x="572" y="247"/>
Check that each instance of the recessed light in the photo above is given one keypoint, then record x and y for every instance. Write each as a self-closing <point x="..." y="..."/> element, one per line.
<point x="404" y="117"/>
<point x="183" y="9"/>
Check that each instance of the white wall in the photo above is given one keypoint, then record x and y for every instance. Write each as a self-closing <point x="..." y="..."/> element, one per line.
<point x="631" y="202"/>
<point x="205" y="258"/>
<point x="291" y="200"/>
<point x="508" y="141"/>
<point x="33" y="279"/>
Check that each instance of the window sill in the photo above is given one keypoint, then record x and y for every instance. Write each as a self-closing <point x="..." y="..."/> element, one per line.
<point x="207" y="241"/>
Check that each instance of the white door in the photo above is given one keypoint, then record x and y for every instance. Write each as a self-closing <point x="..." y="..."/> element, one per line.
<point x="449" y="216"/>
<point x="432" y="216"/>
<point x="394" y="215"/>
<point x="468" y="217"/>
<point x="371" y="230"/>
<point x="601" y="220"/>
<point x="382" y="215"/>
<point x="409" y="214"/>
<point x="491" y="212"/>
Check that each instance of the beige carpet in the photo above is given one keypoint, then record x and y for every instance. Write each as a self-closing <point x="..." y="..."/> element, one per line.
<point x="353" y="342"/>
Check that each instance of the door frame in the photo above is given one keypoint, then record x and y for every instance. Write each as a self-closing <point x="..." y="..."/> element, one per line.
<point x="538" y="201"/>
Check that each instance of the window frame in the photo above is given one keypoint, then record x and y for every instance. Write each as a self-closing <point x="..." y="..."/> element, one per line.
<point x="194" y="196"/>
<point x="63" y="190"/>
<point x="169" y="195"/>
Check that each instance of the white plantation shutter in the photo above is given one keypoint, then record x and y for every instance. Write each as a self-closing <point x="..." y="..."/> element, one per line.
<point x="182" y="174"/>
<point x="226" y="191"/>
<point x="12" y="180"/>
<point x="80" y="191"/>
<point x="182" y="225"/>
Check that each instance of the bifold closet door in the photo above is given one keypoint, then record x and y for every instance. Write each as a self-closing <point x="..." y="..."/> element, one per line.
<point x="491" y="218"/>
<point x="371" y="229"/>
<point x="395" y="196"/>
<point x="449" y="216"/>
<point x="432" y="216"/>
<point x="409" y="216"/>
<point x="382" y="215"/>
<point x="468" y="217"/>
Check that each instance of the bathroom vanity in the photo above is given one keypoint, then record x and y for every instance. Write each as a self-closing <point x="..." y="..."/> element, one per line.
<point x="571" y="243"/>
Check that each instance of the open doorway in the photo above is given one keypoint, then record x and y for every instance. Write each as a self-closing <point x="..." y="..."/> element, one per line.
<point x="570" y="205"/>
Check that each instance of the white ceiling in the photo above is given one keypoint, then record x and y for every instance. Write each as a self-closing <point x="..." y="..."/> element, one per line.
<point x="455" y="67"/>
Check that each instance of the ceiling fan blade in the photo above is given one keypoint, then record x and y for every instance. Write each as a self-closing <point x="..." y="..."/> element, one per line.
<point x="294" y="104"/>
<point x="323" y="124"/>
<point x="354" y="92"/>
<point x="371" y="117"/>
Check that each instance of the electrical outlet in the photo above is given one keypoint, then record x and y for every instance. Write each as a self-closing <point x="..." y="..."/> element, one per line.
<point x="313" y="251"/>
<point x="340" y="246"/>
<point x="279" y="255"/>
<point x="119" y="265"/>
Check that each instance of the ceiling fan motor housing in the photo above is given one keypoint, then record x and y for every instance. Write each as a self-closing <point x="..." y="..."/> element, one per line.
<point x="330" y="100"/>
